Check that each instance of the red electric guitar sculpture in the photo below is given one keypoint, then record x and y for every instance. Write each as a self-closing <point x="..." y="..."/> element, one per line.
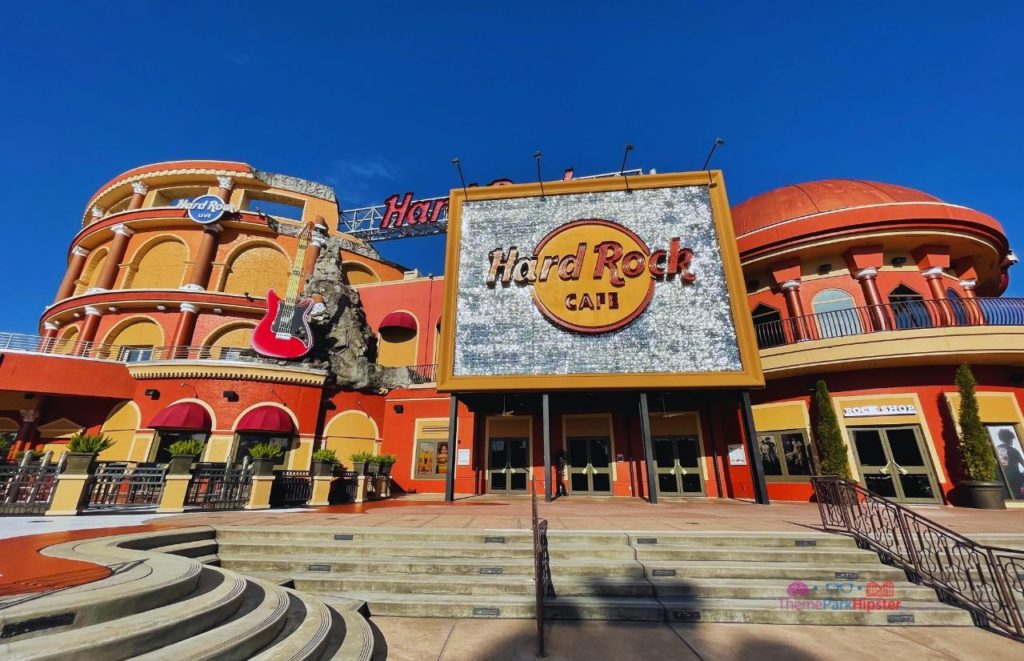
<point x="284" y="331"/>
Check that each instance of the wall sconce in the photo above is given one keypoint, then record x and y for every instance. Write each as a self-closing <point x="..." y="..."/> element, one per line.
<point x="824" y="269"/>
<point x="899" y="261"/>
<point x="231" y="395"/>
<point x="399" y="408"/>
<point x="152" y="393"/>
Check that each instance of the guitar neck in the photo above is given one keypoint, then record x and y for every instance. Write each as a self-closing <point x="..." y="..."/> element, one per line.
<point x="295" y="279"/>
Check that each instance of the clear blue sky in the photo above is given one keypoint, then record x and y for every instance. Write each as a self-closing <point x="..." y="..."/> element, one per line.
<point x="378" y="99"/>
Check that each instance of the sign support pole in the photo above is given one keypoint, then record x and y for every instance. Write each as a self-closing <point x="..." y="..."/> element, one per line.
<point x="645" y="431"/>
<point x="747" y="418"/>
<point x="453" y="449"/>
<point x="545" y="406"/>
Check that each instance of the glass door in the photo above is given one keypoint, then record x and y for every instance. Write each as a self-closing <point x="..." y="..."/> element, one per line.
<point x="508" y="465"/>
<point x="677" y="461"/>
<point x="590" y="465"/>
<point x="893" y="464"/>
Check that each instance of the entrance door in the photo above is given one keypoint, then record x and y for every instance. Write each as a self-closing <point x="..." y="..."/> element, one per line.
<point x="508" y="465"/>
<point x="893" y="463"/>
<point x="590" y="465"/>
<point x="677" y="459"/>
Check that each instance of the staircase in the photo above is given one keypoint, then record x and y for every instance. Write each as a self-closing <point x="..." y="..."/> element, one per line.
<point x="652" y="577"/>
<point x="167" y="599"/>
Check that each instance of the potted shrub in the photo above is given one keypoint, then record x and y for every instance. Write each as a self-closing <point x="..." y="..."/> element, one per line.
<point x="82" y="451"/>
<point x="977" y="458"/>
<point x="264" y="456"/>
<point x="33" y="455"/>
<point x="386" y="462"/>
<point x="373" y="464"/>
<point x="360" y="460"/>
<point x="5" y="447"/>
<point x="831" y="448"/>
<point x="183" y="453"/>
<point x="324" y="461"/>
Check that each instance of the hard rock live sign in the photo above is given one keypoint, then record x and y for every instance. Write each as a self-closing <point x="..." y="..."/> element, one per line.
<point x="624" y="336"/>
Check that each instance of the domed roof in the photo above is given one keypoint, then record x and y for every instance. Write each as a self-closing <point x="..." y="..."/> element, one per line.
<point x="798" y="200"/>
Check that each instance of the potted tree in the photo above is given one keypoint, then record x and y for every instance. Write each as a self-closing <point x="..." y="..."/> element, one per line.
<point x="360" y="461"/>
<point x="324" y="461"/>
<point x="82" y="451"/>
<point x="977" y="458"/>
<point x="183" y="453"/>
<point x="386" y="462"/>
<point x="264" y="456"/>
<point x="831" y="448"/>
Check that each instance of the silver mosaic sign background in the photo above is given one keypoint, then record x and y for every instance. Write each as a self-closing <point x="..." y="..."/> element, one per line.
<point x="686" y="329"/>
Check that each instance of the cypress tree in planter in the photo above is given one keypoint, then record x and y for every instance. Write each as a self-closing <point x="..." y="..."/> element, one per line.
<point x="977" y="458"/>
<point x="831" y="448"/>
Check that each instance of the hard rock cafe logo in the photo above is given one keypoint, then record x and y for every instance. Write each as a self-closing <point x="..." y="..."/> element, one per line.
<point x="591" y="275"/>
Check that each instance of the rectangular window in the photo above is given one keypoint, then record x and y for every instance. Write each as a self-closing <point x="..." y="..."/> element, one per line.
<point x="277" y="207"/>
<point x="136" y="354"/>
<point x="785" y="456"/>
<point x="165" y="437"/>
<point x="1009" y="458"/>
<point x="431" y="459"/>
<point x="247" y="440"/>
<point x="170" y="197"/>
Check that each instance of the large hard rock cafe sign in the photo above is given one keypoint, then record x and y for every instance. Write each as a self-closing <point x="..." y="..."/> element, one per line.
<point x="591" y="275"/>
<point x="595" y="284"/>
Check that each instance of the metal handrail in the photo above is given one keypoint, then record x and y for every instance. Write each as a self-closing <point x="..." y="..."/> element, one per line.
<point x="894" y="316"/>
<point x="986" y="580"/>
<point x="543" y="587"/>
<point x="36" y="344"/>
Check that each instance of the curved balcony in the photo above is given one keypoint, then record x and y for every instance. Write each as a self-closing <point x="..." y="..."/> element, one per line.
<point x="131" y="299"/>
<point x="919" y="332"/>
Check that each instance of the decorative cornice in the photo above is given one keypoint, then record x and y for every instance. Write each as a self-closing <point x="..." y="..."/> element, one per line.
<point x="79" y="251"/>
<point x="968" y="284"/>
<point x="98" y="212"/>
<point x="189" y="307"/>
<point x="933" y="272"/>
<point x="226" y="370"/>
<point x="866" y="274"/>
<point x="93" y="312"/>
<point x="790" y="284"/>
<point x="122" y="229"/>
<point x="140" y="188"/>
<point x="227" y="183"/>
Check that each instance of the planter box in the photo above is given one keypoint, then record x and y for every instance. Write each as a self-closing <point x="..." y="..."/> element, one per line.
<point x="385" y="469"/>
<point x="983" y="495"/>
<point x="80" y="463"/>
<point x="180" y="464"/>
<point x="359" y="467"/>
<point x="323" y="469"/>
<point x="372" y="468"/>
<point x="263" y="466"/>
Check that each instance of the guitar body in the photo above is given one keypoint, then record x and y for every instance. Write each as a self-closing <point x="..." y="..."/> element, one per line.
<point x="284" y="332"/>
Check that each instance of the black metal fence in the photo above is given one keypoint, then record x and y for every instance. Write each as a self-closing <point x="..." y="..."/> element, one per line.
<point x="905" y="315"/>
<point x="988" y="581"/>
<point x="28" y="487"/>
<point x="219" y="487"/>
<point x="543" y="587"/>
<point x="121" y="485"/>
<point x="291" y="488"/>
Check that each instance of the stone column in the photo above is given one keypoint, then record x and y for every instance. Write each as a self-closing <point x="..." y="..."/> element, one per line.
<point x="27" y="430"/>
<point x="118" y="249"/>
<point x="98" y="213"/>
<point x="199" y="276"/>
<point x="183" y="331"/>
<point x="139" y="191"/>
<point x="49" y="337"/>
<point x="968" y="287"/>
<point x="226" y="184"/>
<point x="941" y="310"/>
<point x="89" y="328"/>
<point x="72" y="274"/>
<point x="795" y="307"/>
<point x="866" y="278"/>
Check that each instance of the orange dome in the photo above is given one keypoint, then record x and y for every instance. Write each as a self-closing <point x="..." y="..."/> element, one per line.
<point x="814" y="197"/>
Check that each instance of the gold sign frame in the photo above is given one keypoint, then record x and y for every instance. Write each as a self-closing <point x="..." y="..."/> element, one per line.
<point x="751" y="376"/>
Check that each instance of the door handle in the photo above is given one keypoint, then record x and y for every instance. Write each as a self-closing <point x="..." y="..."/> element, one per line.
<point x="901" y="469"/>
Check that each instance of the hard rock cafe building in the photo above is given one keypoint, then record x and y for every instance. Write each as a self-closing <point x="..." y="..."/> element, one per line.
<point x="609" y="333"/>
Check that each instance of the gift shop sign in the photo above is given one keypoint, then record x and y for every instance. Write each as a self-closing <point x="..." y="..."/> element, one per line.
<point x="591" y="275"/>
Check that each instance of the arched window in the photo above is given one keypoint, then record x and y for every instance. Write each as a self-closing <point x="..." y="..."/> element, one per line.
<point x="835" y="313"/>
<point x="256" y="269"/>
<point x="66" y="341"/>
<point x="768" y="326"/>
<point x="358" y="274"/>
<point x="908" y="308"/>
<point x="398" y="340"/>
<point x="91" y="273"/>
<point x="229" y="342"/>
<point x="134" y="340"/>
<point x="160" y="265"/>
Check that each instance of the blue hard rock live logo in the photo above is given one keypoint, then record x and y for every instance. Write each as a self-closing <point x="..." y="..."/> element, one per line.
<point x="840" y="595"/>
<point x="206" y="209"/>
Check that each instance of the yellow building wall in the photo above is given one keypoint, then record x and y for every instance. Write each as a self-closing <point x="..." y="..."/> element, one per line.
<point x="257" y="269"/>
<point x="358" y="274"/>
<point x="66" y="341"/>
<point x="781" y="416"/>
<point x="350" y="432"/>
<point x="141" y="333"/>
<point x="120" y="426"/>
<point x="397" y="347"/>
<point x="161" y="266"/>
<point x="91" y="273"/>
<point x="993" y="407"/>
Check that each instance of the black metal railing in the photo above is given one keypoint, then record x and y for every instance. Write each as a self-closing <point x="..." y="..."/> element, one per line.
<point x="986" y="580"/>
<point x="906" y="315"/>
<point x="28" y="487"/>
<point x="121" y="485"/>
<point x="219" y="487"/>
<point x="291" y="488"/>
<point x="543" y="586"/>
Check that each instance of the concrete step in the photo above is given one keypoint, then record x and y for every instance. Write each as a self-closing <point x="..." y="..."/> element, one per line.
<point x="218" y="595"/>
<point x="460" y="536"/>
<point x="686" y="552"/>
<point x="197" y="548"/>
<point x="799" y="540"/>
<point x="790" y="571"/>
<point x="834" y="613"/>
<point x="510" y="607"/>
<point x="312" y="626"/>
<point x="418" y="550"/>
<point x="257" y="622"/>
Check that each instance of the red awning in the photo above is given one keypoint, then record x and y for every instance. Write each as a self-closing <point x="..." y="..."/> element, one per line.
<point x="184" y="415"/>
<point x="398" y="320"/>
<point x="266" y="419"/>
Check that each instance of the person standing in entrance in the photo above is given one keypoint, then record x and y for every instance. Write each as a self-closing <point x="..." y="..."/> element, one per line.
<point x="563" y="461"/>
